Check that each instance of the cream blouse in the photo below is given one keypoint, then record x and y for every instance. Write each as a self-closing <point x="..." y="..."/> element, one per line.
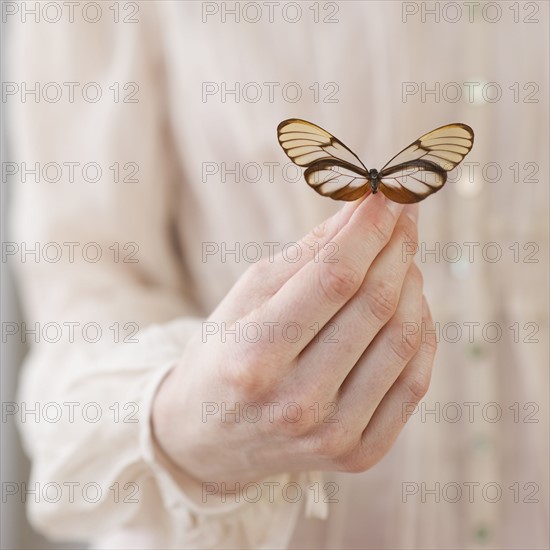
<point x="192" y="183"/>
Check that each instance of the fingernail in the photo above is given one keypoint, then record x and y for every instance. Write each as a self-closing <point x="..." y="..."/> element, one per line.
<point x="412" y="211"/>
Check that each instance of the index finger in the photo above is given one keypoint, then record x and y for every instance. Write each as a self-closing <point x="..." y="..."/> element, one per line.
<point x="318" y="290"/>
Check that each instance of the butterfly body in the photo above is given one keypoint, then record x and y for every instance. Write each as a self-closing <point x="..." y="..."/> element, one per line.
<point x="333" y="170"/>
<point x="373" y="179"/>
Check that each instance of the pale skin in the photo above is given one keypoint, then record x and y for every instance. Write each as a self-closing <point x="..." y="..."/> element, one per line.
<point x="360" y="383"/>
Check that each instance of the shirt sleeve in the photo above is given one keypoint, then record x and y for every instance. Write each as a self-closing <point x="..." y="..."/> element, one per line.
<point x="108" y="307"/>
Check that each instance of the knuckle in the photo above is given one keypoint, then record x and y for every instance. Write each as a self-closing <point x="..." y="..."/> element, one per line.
<point x="314" y="239"/>
<point x="293" y="426"/>
<point x="378" y="233"/>
<point x="380" y="230"/>
<point x="335" y="444"/>
<point x="368" y="455"/>
<point x="253" y="356"/>
<point x="408" y="231"/>
<point x="404" y="343"/>
<point x="381" y="298"/>
<point x="362" y="459"/>
<point x="417" y="386"/>
<point x="243" y="377"/>
<point x="429" y="343"/>
<point x="339" y="281"/>
<point x="356" y="465"/>
<point x="318" y="232"/>
<point x="243" y="382"/>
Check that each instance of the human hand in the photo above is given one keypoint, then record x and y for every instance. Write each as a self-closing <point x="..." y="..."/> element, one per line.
<point x="228" y="410"/>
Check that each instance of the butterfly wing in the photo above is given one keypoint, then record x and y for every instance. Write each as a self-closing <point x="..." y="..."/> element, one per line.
<point x="412" y="181"/>
<point x="445" y="146"/>
<point x="421" y="168"/>
<point x="305" y="143"/>
<point x="337" y="180"/>
<point x="333" y="170"/>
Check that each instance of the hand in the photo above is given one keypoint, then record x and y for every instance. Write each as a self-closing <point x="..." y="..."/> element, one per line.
<point x="215" y="416"/>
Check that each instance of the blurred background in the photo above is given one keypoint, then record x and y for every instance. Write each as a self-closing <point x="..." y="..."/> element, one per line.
<point x="180" y="104"/>
<point x="15" y="529"/>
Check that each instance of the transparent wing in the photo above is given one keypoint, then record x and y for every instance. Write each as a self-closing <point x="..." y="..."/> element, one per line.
<point x="446" y="146"/>
<point x="337" y="180"/>
<point x="305" y="143"/>
<point x="412" y="181"/>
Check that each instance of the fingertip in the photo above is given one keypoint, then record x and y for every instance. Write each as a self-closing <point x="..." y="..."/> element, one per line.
<point x="379" y="201"/>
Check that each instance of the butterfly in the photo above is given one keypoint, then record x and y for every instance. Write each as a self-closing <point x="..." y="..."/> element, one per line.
<point x="333" y="170"/>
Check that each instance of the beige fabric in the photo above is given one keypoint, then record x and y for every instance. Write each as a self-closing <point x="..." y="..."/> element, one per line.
<point x="174" y="209"/>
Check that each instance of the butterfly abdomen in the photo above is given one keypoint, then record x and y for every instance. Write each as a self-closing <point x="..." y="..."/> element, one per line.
<point x="373" y="178"/>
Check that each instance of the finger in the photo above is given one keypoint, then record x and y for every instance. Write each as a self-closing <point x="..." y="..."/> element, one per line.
<point x="264" y="278"/>
<point x="407" y="391"/>
<point x="318" y="290"/>
<point x="382" y="363"/>
<point x="332" y="355"/>
<point x="311" y="246"/>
